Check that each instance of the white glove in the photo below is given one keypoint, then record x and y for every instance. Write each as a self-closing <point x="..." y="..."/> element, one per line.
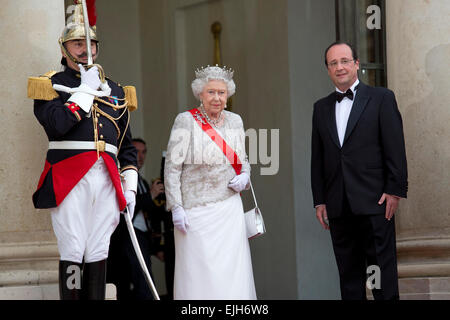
<point x="106" y="90"/>
<point x="85" y="90"/>
<point x="84" y="95"/>
<point x="179" y="219"/>
<point x="91" y="78"/>
<point x="240" y="182"/>
<point x="130" y="196"/>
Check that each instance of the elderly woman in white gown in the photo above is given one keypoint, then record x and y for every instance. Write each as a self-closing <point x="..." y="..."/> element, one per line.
<point x="202" y="190"/>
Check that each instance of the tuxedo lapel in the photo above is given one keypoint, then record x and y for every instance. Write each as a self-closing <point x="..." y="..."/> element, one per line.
<point x="331" y="119"/>
<point x="358" y="107"/>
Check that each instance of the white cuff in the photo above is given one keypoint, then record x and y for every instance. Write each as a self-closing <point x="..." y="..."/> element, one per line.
<point x="131" y="179"/>
<point x="83" y="100"/>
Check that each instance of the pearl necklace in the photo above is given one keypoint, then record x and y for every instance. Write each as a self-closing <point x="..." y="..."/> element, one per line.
<point x="213" y="122"/>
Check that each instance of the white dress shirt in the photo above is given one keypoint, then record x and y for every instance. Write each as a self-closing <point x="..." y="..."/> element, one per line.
<point x="343" y="110"/>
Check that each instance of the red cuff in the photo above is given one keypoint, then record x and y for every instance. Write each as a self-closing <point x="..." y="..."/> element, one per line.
<point x="73" y="107"/>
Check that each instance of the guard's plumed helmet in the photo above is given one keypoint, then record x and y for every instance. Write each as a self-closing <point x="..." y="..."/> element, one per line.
<point x="75" y="29"/>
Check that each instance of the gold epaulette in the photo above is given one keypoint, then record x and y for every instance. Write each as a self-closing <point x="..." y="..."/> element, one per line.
<point x="41" y="88"/>
<point x="131" y="97"/>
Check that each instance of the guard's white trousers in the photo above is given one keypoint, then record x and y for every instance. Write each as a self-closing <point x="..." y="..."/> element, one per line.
<point x="84" y="222"/>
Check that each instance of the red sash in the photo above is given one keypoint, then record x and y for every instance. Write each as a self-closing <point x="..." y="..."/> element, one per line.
<point x="221" y="143"/>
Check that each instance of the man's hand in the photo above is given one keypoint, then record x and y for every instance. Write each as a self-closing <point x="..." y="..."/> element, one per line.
<point x="391" y="204"/>
<point x="160" y="255"/>
<point x="322" y="216"/>
<point x="157" y="188"/>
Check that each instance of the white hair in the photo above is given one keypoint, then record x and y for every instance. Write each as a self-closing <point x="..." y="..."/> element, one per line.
<point x="203" y="76"/>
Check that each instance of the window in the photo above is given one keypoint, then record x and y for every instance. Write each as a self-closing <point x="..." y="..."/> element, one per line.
<point x="370" y="43"/>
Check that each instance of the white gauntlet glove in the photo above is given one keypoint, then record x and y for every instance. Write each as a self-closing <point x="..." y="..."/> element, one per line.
<point x="91" y="78"/>
<point x="240" y="182"/>
<point x="84" y="95"/>
<point x="130" y="196"/>
<point x="179" y="219"/>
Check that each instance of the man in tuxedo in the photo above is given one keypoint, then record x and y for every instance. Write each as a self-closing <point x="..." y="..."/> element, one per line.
<point x="358" y="175"/>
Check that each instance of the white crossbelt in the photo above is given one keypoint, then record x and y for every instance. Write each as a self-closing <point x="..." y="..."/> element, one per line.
<point x="82" y="145"/>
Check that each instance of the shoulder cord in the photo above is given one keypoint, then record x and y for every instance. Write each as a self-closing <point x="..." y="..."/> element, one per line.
<point x="111" y="118"/>
<point x="124" y="105"/>
<point x="95" y="123"/>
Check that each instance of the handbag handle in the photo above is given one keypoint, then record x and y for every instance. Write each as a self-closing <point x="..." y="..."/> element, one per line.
<point x="253" y="193"/>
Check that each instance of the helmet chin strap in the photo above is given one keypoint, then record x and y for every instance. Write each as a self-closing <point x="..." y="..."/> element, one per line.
<point x="72" y="58"/>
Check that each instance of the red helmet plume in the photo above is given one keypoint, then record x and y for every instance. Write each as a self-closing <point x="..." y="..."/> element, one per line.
<point x="92" y="14"/>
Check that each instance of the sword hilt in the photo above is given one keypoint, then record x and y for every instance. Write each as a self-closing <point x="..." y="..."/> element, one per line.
<point x="101" y="72"/>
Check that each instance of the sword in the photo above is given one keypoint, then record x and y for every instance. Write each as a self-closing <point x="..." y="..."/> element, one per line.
<point x="137" y="249"/>
<point x="87" y="32"/>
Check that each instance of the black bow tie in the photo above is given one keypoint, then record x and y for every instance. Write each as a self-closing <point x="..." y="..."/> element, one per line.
<point x="340" y="96"/>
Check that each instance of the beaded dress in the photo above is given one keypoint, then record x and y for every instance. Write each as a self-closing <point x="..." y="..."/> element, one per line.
<point x="213" y="259"/>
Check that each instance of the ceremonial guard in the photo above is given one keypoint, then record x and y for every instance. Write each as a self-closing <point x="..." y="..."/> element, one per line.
<point x="90" y="172"/>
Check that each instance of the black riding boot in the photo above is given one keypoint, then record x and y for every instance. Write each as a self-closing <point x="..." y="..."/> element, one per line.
<point x="94" y="280"/>
<point x="70" y="280"/>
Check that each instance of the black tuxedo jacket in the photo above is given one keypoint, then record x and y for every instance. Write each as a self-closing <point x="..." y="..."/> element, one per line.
<point x="372" y="159"/>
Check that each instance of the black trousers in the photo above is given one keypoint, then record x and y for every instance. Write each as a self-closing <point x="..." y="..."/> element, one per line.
<point x="362" y="241"/>
<point x="124" y="269"/>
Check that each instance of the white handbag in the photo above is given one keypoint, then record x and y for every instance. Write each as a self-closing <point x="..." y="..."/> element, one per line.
<point x="254" y="220"/>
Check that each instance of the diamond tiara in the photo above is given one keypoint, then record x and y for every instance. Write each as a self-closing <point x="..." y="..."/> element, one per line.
<point x="215" y="72"/>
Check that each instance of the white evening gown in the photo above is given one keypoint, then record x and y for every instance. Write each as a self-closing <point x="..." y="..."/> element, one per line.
<point x="213" y="259"/>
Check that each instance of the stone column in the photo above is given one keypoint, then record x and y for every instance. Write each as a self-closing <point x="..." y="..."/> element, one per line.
<point x="28" y="252"/>
<point x="418" y="56"/>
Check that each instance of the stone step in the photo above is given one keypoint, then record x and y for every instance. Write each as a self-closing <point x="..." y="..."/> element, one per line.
<point x="43" y="292"/>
